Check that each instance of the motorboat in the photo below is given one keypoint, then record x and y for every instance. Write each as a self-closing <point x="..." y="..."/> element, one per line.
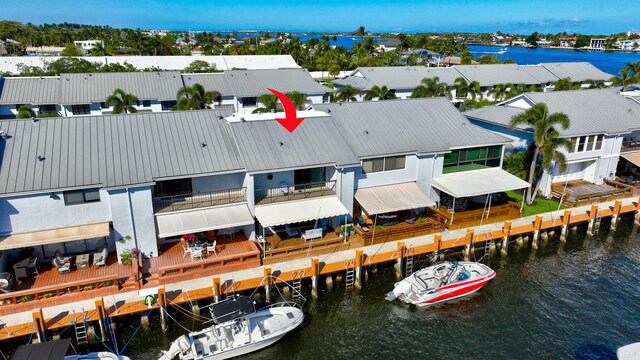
<point x="629" y="352"/>
<point x="238" y="329"/>
<point x="442" y="282"/>
<point x="57" y="350"/>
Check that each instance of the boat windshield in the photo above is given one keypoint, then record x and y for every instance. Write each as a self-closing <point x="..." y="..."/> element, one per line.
<point x="232" y="309"/>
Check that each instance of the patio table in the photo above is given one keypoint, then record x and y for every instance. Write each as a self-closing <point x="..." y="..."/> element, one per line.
<point x="82" y="261"/>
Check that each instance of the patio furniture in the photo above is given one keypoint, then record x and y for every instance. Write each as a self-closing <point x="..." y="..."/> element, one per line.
<point x="196" y="253"/>
<point x="100" y="258"/>
<point x="26" y="267"/>
<point x="186" y="248"/>
<point x="291" y="231"/>
<point x="82" y="261"/>
<point x="62" y="265"/>
<point x="7" y="280"/>
<point x="387" y="220"/>
<point x="312" y="234"/>
<point x="227" y="232"/>
<point x="322" y="224"/>
<point x="212" y="248"/>
<point x="284" y="187"/>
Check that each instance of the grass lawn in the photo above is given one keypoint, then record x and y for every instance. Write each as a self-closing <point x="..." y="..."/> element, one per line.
<point x="539" y="205"/>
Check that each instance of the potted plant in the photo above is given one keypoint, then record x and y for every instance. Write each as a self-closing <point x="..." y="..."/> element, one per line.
<point x="125" y="258"/>
<point x="349" y="229"/>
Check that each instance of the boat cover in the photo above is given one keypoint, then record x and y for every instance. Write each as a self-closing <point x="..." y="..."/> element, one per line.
<point x="50" y="350"/>
<point x="478" y="182"/>
<point x="232" y="309"/>
<point x="390" y="198"/>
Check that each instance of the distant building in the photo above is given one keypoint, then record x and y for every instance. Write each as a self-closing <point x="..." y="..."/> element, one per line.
<point x="544" y="43"/>
<point x="629" y="33"/>
<point x="44" y="51"/>
<point x="520" y="42"/>
<point x="87" y="45"/>
<point x="628" y="44"/>
<point x="389" y="45"/>
<point x="568" y="42"/>
<point x="597" y="44"/>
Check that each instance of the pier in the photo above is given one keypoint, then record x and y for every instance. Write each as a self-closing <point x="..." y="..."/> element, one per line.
<point x="44" y="322"/>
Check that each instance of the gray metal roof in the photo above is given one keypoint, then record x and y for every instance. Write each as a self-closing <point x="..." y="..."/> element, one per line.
<point x="542" y="75"/>
<point x="114" y="150"/>
<point x="250" y="83"/>
<point x="577" y="71"/>
<point x="266" y="145"/>
<point x="405" y="77"/>
<point x="85" y="88"/>
<point x="406" y="126"/>
<point x="29" y="90"/>
<point x="589" y="111"/>
<point x="492" y="74"/>
<point x="213" y="81"/>
<point x="356" y="82"/>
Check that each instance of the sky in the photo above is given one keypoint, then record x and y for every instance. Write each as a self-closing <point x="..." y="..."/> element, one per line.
<point x="544" y="16"/>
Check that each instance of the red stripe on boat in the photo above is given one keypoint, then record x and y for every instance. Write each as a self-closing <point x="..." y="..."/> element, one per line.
<point x="487" y="278"/>
<point x="456" y="293"/>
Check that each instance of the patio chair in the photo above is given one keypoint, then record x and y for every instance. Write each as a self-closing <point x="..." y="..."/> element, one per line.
<point x="100" y="258"/>
<point x="284" y="187"/>
<point x="7" y="280"/>
<point x="212" y="248"/>
<point x="62" y="265"/>
<point x="291" y="231"/>
<point x="186" y="248"/>
<point x="196" y="254"/>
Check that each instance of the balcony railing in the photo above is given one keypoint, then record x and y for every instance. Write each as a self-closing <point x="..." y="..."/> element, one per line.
<point x="630" y="145"/>
<point x="198" y="200"/>
<point x="295" y="192"/>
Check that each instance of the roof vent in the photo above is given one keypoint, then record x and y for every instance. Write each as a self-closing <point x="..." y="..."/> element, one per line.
<point x="204" y="144"/>
<point x="34" y="120"/>
<point x="3" y="135"/>
<point x="366" y="132"/>
<point x="328" y="111"/>
<point x="242" y="119"/>
<point x="40" y="157"/>
<point x="220" y="117"/>
<point x="281" y="143"/>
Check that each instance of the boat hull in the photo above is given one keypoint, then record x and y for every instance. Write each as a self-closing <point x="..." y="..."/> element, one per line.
<point x="245" y="349"/>
<point x="456" y="292"/>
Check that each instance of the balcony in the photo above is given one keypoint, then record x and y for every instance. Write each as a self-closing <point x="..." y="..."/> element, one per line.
<point x="171" y="203"/>
<point x="295" y="192"/>
<point x="629" y="145"/>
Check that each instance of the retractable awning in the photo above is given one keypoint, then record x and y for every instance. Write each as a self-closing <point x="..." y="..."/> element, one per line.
<point x="478" y="182"/>
<point x="390" y="198"/>
<point x="633" y="158"/>
<point x="54" y="236"/>
<point x="290" y="212"/>
<point x="197" y="220"/>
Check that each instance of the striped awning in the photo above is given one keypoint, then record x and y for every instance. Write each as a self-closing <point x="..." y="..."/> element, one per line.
<point x="290" y="212"/>
<point x="54" y="236"/>
<point x="390" y="198"/>
<point x="633" y="158"/>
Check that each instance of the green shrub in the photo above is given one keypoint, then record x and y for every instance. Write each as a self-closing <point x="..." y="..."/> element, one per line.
<point x="126" y="258"/>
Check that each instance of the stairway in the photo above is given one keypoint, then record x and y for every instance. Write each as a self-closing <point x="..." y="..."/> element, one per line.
<point x="81" y="329"/>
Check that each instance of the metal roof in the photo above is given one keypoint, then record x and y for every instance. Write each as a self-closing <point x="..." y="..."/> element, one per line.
<point x="86" y="88"/>
<point x="389" y="127"/>
<point x="589" y="111"/>
<point x="356" y="82"/>
<point x="114" y="150"/>
<point x="250" y="83"/>
<point x="492" y="74"/>
<point x="30" y="90"/>
<point x="266" y="145"/>
<point x="405" y="77"/>
<point x="577" y="71"/>
<point x="212" y="81"/>
<point x="542" y="75"/>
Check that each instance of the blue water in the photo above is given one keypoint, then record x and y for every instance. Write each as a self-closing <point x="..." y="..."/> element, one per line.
<point x="609" y="62"/>
<point x="341" y="40"/>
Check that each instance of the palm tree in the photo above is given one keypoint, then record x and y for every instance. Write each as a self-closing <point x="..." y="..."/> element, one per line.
<point x="196" y="98"/>
<point x="465" y="89"/>
<point x="625" y="79"/>
<point x="25" y="112"/>
<point x="122" y="102"/>
<point x="298" y="99"/>
<point x="633" y="68"/>
<point x="269" y="104"/>
<point x="517" y="163"/>
<point x="567" y="84"/>
<point x="347" y="94"/>
<point x="592" y="84"/>
<point x="500" y="91"/>
<point x="380" y="93"/>
<point x="430" y="87"/>
<point x="546" y="139"/>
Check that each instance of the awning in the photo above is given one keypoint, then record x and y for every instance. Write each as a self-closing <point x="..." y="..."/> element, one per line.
<point x="290" y="212"/>
<point x="633" y="158"/>
<point x="390" y="198"/>
<point x="478" y="182"/>
<point x="197" y="220"/>
<point x="54" y="236"/>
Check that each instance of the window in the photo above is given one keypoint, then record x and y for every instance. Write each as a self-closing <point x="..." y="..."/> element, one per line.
<point x="74" y="247"/>
<point x="249" y="101"/>
<point x="83" y="109"/>
<point x="104" y="105"/>
<point x="167" y="105"/>
<point x="383" y="164"/>
<point x="173" y="187"/>
<point x="582" y="144"/>
<point x="75" y="197"/>
<point x="597" y="144"/>
<point x="309" y="176"/>
<point x="146" y="103"/>
<point x="47" y="109"/>
<point x="472" y="159"/>
<point x="587" y="143"/>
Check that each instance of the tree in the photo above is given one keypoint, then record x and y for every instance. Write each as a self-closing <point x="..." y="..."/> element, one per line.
<point x="517" y="163"/>
<point x="465" y="89"/>
<point x="99" y="50"/>
<point x="359" y="31"/>
<point x="72" y="50"/>
<point x="25" y="112"/>
<point x="546" y="139"/>
<point x="269" y="104"/>
<point x="380" y="93"/>
<point x="533" y="39"/>
<point x="298" y="99"/>
<point x="122" y="102"/>
<point x="430" y="87"/>
<point x="347" y="94"/>
<point x="196" y="98"/>
<point x="624" y="80"/>
<point x="200" y="66"/>
<point x="567" y="84"/>
<point x="465" y="57"/>
<point x="500" y="91"/>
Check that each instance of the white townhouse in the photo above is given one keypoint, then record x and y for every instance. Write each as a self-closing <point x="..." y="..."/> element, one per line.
<point x="87" y="45"/>
<point x="599" y="122"/>
<point x="38" y="93"/>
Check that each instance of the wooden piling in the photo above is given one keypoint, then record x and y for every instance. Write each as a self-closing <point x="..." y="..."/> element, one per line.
<point x="39" y="325"/>
<point x="537" y="225"/>
<point x="267" y="286"/>
<point x="593" y="215"/>
<point x="358" y="268"/>
<point x="162" y="303"/>
<point x="100" y="310"/>
<point x="315" y="274"/>
<point x="437" y="239"/>
<point x="617" y="206"/>
<point x="469" y="241"/>
<point x="215" y="288"/>
<point x="566" y="219"/>
<point x="400" y="254"/>
<point x="506" y="231"/>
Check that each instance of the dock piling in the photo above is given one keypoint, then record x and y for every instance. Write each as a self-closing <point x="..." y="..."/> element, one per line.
<point x="329" y="281"/>
<point x="437" y="239"/>
<point x="216" y="289"/>
<point x="400" y="255"/>
<point x="506" y="231"/>
<point x="267" y="286"/>
<point x="566" y="219"/>
<point x="469" y="247"/>
<point x="593" y="216"/>
<point x="537" y="225"/>
<point x="358" y="268"/>
<point x="38" y="321"/>
<point x="617" y="206"/>
<point x="162" y="303"/>
<point x="101" y="316"/>
<point x="315" y="271"/>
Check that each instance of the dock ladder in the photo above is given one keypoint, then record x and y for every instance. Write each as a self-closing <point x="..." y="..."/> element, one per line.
<point x="81" y="329"/>
<point x="351" y="274"/>
<point x="487" y="250"/>
<point x="296" y="282"/>
<point x="408" y="264"/>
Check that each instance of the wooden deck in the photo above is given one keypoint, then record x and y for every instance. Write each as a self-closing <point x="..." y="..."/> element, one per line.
<point x="579" y="192"/>
<point x="234" y="253"/>
<point x="399" y="231"/>
<point x="475" y="217"/>
<point x="279" y="249"/>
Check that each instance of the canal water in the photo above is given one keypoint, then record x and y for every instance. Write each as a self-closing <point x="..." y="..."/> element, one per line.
<point x="579" y="300"/>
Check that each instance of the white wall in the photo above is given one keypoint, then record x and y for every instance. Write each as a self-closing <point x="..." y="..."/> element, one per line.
<point x="389" y="177"/>
<point x="217" y="182"/>
<point x="27" y="213"/>
<point x="133" y="216"/>
<point x="345" y="185"/>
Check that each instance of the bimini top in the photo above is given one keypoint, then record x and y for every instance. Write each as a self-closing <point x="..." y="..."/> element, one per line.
<point x="230" y="310"/>
<point x="51" y="350"/>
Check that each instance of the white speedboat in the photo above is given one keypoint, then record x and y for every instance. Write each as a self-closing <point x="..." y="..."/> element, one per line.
<point x="102" y="355"/>
<point x="57" y="350"/>
<point x="239" y="330"/>
<point x="442" y="282"/>
<point x="629" y="352"/>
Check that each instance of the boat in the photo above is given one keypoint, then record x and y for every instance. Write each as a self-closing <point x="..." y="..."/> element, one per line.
<point x="57" y="350"/>
<point x="629" y="352"/>
<point x="441" y="282"/>
<point x="239" y="329"/>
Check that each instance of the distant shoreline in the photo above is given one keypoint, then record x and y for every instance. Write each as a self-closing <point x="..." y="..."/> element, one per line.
<point x="561" y="48"/>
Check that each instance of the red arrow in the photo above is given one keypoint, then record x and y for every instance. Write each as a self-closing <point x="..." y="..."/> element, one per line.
<point x="290" y="121"/>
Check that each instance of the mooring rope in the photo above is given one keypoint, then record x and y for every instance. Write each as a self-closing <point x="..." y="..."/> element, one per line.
<point x="133" y="335"/>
